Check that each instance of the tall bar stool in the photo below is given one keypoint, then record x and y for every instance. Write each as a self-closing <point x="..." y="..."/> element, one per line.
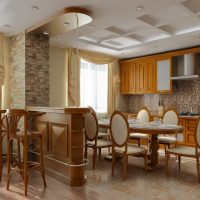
<point x="17" y="126"/>
<point x="2" y="135"/>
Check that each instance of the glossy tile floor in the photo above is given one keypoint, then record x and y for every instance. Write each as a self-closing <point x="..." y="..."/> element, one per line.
<point x="100" y="185"/>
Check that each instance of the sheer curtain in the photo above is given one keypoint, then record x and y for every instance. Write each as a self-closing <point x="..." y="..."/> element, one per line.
<point x="94" y="86"/>
<point x="74" y="76"/>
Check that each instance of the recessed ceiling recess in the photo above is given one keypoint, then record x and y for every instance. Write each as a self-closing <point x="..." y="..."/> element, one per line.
<point x="57" y="25"/>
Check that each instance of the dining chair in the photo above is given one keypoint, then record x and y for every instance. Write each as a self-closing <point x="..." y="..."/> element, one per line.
<point x="91" y="136"/>
<point x="17" y="130"/>
<point x="142" y="116"/>
<point x="170" y="117"/>
<point x="100" y="134"/>
<point x="2" y="136"/>
<point x="120" y="133"/>
<point x="187" y="151"/>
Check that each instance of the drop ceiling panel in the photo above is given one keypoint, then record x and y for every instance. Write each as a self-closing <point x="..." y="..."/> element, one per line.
<point x="170" y="14"/>
<point x="184" y="26"/>
<point x="192" y="5"/>
<point x="131" y="25"/>
<point x="101" y="34"/>
<point x="151" y="34"/>
<point x="120" y="42"/>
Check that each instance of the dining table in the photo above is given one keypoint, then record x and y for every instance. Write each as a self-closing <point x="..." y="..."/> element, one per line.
<point x="153" y="129"/>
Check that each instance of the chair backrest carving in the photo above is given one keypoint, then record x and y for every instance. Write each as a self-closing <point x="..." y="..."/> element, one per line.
<point x="119" y="129"/>
<point x="91" y="126"/>
<point x="144" y="115"/>
<point x="170" y="117"/>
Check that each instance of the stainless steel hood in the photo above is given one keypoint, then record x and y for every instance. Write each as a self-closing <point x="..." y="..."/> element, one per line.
<point x="185" y="67"/>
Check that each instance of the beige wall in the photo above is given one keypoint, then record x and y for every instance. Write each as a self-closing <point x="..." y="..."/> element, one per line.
<point x="58" y="76"/>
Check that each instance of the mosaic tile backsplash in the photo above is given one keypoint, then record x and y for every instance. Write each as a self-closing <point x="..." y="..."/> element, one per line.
<point x="185" y="96"/>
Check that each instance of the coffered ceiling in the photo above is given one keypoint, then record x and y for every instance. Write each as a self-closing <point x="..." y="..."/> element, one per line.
<point x="118" y="27"/>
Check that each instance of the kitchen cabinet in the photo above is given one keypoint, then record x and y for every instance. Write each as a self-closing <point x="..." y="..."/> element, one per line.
<point x="163" y="75"/>
<point x="138" y="77"/>
<point x="189" y="124"/>
<point x="128" y="83"/>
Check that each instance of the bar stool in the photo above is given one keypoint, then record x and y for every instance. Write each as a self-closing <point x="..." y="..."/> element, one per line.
<point x="17" y="123"/>
<point x="2" y="135"/>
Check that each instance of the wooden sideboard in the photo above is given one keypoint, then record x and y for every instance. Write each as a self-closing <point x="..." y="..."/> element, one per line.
<point x="62" y="130"/>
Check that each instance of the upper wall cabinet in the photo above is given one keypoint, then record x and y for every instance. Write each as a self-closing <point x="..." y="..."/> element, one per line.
<point x="128" y="83"/>
<point x="163" y="75"/>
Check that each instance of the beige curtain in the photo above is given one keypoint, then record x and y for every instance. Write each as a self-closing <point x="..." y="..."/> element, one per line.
<point x="2" y="67"/>
<point x="74" y="76"/>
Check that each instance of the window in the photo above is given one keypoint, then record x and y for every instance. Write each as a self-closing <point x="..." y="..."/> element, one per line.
<point x="94" y="86"/>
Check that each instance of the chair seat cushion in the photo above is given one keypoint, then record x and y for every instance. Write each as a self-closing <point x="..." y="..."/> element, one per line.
<point x="131" y="149"/>
<point x="138" y="136"/>
<point x="102" y="135"/>
<point x="100" y="143"/>
<point x="183" y="150"/>
<point x="167" y="140"/>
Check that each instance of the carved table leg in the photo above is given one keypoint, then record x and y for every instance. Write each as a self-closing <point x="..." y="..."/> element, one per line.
<point x="154" y="146"/>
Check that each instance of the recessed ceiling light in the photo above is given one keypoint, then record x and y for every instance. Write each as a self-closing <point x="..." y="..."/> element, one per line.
<point x="34" y="8"/>
<point x="45" y="33"/>
<point x="91" y="26"/>
<point x="58" y="39"/>
<point x="66" y="23"/>
<point x="139" y="7"/>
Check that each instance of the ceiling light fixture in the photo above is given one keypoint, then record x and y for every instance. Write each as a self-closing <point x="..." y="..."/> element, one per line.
<point x="34" y="8"/>
<point x="139" y="7"/>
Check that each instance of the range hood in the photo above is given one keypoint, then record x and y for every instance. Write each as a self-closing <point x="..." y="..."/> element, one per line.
<point x="185" y="67"/>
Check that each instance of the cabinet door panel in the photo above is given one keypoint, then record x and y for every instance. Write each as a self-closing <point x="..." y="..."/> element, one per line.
<point x="124" y="71"/>
<point x="151" y="76"/>
<point x="132" y="80"/>
<point x="141" y="78"/>
<point x="163" y="75"/>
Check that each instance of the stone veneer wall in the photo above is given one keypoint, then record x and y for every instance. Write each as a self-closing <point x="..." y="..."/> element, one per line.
<point x="187" y="95"/>
<point x="37" y="70"/>
<point x="17" y="71"/>
<point x="29" y="71"/>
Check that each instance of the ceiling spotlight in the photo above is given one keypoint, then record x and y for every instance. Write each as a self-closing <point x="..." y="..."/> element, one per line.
<point x="139" y="7"/>
<point x="45" y="33"/>
<point x="34" y="8"/>
<point x="66" y="23"/>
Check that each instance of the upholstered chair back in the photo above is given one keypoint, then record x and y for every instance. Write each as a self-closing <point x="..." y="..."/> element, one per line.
<point x="170" y="117"/>
<point x="91" y="126"/>
<point x="119" y="129"/>
<point x="143" y="115"/>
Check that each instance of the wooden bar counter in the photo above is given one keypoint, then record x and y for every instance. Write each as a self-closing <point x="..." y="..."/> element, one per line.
<point x="63" y="137"/>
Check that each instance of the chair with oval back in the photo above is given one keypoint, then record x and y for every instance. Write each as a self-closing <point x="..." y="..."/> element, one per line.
<point x="120" y="133"/>
<point x="91" y="136"/>
<point x="170" y="117"/>
<point x="186" y="151"/>
<point x="143" y="116"/>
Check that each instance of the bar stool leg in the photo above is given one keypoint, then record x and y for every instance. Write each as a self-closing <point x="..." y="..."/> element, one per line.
<point x="42" y="163"/>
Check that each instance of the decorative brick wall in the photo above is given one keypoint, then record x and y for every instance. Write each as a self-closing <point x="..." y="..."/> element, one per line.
<point x="187" y="95"/>
<point x="17" y="72"/>
<point x="29" y="71"/>
<point x="37" y="70"/>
